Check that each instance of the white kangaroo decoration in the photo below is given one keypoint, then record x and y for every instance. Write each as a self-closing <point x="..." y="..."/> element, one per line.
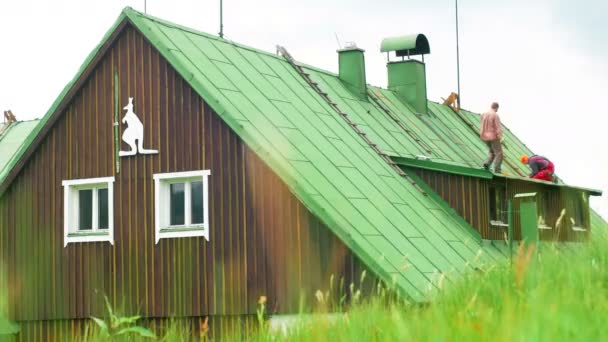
<point x="134" y="133"/>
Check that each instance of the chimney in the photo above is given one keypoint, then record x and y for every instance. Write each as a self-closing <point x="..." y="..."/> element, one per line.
<point x="352" y="69"/>
<point x="407" y="77"/>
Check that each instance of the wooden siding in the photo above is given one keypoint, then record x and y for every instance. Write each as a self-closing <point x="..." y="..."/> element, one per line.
<point x="263" y="241"/>
<point x="218" y="327"/>
<point x="551" y="201"/>
<point x="469" y="197"/>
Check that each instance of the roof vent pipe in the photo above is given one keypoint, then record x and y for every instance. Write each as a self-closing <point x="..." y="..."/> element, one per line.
<point x="352" y="69"/>
<point x="407" y="77"/>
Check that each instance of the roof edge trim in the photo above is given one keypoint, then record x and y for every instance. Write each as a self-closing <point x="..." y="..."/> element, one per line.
<point x="479" y="173"/>
<point x="592" y="192"/>
<point x="435" y="166"/>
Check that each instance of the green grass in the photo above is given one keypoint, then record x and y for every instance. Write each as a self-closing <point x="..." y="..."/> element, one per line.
<point x="544" y="295"/>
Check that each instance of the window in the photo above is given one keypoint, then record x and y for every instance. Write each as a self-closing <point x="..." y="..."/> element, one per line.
<point x="498" y="206"/>
<point x="88" y="210"/>
<point x="580" y="208"/>
<point x="543" y="209"/>
<point x="181" y="204"/>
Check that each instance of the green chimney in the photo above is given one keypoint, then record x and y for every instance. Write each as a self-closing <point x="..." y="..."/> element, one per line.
<point x="408" y="79"/>
<point x="352" y="70"/>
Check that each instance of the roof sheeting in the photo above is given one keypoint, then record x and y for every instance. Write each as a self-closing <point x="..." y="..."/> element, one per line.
<point x="12" y="139"/>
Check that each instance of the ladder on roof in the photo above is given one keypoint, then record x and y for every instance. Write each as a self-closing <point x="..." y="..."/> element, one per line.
<point x="453" y="142"/>
<point x="315" y="86"/>
<point x="375" y="97"/>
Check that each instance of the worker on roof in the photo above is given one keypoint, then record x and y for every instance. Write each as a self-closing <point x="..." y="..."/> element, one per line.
<point x="542" y="168"/>
<point x="491" y="134"/>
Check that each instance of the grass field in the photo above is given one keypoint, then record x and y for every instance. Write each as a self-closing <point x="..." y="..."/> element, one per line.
<point x="544" y="295"/>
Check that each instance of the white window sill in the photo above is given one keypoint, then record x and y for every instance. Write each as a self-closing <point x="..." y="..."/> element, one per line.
<point x="498" y="224"/>
<point x="182" y="232"/>
<point x="89" y="237"/>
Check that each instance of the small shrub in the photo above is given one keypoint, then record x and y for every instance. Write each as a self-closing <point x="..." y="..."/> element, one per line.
<point x="117" y="326"/>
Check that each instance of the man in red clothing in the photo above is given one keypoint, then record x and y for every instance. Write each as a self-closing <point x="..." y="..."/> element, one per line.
<point x="542" y="168"/>
<point x="491" y="134"/>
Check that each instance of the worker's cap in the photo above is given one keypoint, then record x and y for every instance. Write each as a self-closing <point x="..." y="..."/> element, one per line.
<point x="524" y="159"/>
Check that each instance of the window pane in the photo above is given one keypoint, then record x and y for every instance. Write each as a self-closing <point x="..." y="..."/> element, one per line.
<point x="177" y="209"/>
<point x="102" y="208"/>
<point x="493" y="204"/>
<point x="498" y="204"/>
<point x="85" y="209"/>
<point x="197" y="202"/>
<point x="579" y="210"/>
<point x="502" y="204"/>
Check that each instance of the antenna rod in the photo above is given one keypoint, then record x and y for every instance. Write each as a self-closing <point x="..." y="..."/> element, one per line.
<point x="145" y="6"/>
<point x="338" y="40"/>
<point x="221" y="19"/>
<point x="458" y="59"/>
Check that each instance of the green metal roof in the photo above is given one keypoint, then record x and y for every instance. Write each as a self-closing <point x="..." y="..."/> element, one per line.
<point x="12" y="139"/>
<point x="404" y="236"/>
<point x="410" y="45"/>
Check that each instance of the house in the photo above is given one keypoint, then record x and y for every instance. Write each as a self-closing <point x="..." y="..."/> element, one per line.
<point x="184" y="175"/>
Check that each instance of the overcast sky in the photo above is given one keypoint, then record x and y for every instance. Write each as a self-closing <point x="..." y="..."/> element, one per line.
<point x="546" y="63"/>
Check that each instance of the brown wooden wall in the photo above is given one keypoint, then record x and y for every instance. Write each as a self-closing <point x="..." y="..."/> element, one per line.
<point x="552" y="200"/>
<point x="191" y="328"/>
<point x="469" y="196"/>
<point x="263" y="241"/>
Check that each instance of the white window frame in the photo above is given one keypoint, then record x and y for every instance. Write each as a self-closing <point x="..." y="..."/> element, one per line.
<point x="163" y="230"/>
<point x="71" y="210"/>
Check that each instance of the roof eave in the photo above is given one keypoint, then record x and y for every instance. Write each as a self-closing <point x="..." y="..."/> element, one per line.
<point x="592" y="192"/>
<point x="480" y="173"/>
<point x="442" y="167"/>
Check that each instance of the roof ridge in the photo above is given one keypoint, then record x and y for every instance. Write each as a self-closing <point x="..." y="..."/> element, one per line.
<point x="129" y="10"/>
<point x="28" y="120"/>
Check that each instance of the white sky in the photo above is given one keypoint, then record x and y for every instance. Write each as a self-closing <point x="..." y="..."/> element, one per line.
<point x="546" y="63"/>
